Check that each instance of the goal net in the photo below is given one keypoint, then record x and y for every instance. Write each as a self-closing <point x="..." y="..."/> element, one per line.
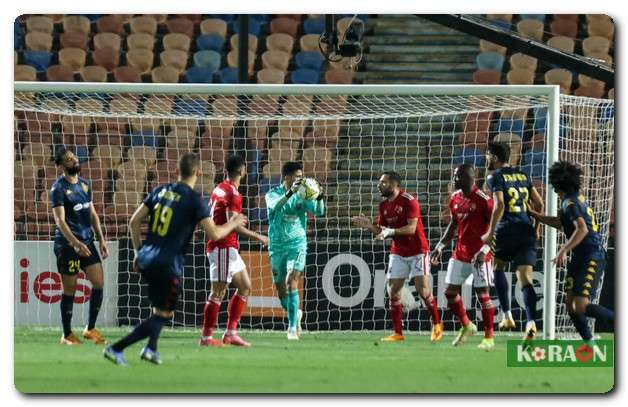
<point x="129" y="137"/>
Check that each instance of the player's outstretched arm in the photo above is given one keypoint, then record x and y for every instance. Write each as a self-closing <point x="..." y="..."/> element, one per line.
<point x="443" y="242"/>
<point x="81" y="248"/>
<point x="95" y="221"/>
<point x="496" y="216"/>
<point x="216" y="232"/>
<point x="365" y="222"/>
<point x="243" y="231"/>
<point x="553" y="221"/>
<point x="135" y="223"/>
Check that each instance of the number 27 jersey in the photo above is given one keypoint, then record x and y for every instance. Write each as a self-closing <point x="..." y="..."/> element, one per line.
<point x="516" y="187"/>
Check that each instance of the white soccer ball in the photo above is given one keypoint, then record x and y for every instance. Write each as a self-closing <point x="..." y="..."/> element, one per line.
<point x="309" y="189"/>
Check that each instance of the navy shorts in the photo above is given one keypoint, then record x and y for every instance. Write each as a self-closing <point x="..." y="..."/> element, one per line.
<point x="517" y="244"/>
<point x="163" y="288"/>
<point x="584" y="272"/>
<point x="70" y="263"/>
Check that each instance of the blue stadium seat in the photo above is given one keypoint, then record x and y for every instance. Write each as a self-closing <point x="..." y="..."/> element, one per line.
<point x="469" y="155"/>
<point x="225" y="17"/>
<point x="39" y="60"/>
<point x="514" y="126"/>
<point x="82" y="153"/>
<point x="540" y="17"/>
<point x="258" y="215"/>
<point x="190" y="106"/>
<point x="504" y="25"/>
<point x="305" y="76"/>
<point x="210" y="41"/>
<point x="309" y="60"/>
<point x="607" y="113"/>
<point x="533" y="163"/>
<point x="265" y="184"/>
<point x="490" y="60"/>
<point x="255" y="27"/>
<point x="314" y="26"/>
<point x="200" y="74"/>
<point x="144" y="138"/>
<point x="207" y="59"/>
<point x="540" y="119"/>
<point x="18" y="35"/>
<point x="228" y="75"/>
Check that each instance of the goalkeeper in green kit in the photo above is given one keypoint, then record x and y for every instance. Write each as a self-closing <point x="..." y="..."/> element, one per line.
<point x="287" y="247"/>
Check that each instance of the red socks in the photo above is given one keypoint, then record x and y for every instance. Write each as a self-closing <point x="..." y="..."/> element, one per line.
<point x="432" y="307"/>
<point x="210" y="316"/>
<point x="234" y="311"/>
<point x="488" y="313"/>
<point x="396" y="310"/>
<point x="454" y="301"/>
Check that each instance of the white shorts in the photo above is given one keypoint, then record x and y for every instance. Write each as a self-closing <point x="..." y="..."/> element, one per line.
<point x="458" y="271"/>
<point x="408" y="267"/>
<point x="224" y="263"/>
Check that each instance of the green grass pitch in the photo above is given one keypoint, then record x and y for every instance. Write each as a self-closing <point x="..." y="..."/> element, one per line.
<point x="319" y="363"/>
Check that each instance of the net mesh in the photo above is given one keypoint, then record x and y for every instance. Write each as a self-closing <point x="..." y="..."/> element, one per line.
<point x="129" y="143"/>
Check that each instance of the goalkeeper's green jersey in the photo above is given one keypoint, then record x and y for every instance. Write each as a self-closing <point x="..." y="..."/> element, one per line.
<point x="287" y="218"/>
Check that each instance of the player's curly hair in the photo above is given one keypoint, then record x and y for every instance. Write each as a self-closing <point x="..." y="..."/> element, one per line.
<point x="500" y="150"/>
<point x="60" y="154"/>
<point x="290" y="167"/>
<point x="565" y="177"/>
<point x="233" y="165"/>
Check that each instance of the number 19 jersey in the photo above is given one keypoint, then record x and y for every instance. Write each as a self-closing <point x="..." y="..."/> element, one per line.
<point x="174" y="209"/>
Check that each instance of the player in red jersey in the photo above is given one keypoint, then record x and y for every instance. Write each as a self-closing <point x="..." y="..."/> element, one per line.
<point x="471" y="211"/>
<point x="400" y="218"/>
<point x="225" y="264"/>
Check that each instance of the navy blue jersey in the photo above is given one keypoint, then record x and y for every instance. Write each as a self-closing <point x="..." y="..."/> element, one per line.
<point x="516" y="187"/>
<point x="572" y="207"/>
<point x="175" y="209"/>
<point x="76" y="201"/>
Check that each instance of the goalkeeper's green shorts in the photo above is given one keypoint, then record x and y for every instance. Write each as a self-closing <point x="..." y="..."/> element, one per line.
<point x="282" y="261"/>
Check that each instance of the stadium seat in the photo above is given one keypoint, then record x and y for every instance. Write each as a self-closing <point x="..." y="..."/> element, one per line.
<point x="74" y="40"/>
<point x="314" y="26"/>
<point x="562" y="43"/>
<point x="343" y="23"/>
<point x="164" y="74"/>
<point x="305" y="76"/>
<point x="280" y="42"/>
<point x="490" y="60"/>
<point x="523" y="61"/>
<point x="602" y="28"/>
<point x="43" y="24"/>
<point x="255" y="27"/>
<point x="141" y="59"/>
<point x="531" y="29"/>
<point x="214" y="26"/>
<point x="77" y="23"/>
<point x="595" y="45"/>
<point x="127" y="74"/>
<point x="175" y="58"/>
<point x="514" y="141"/>
<point x="500" y="17"/>
<point x="38" y="41"/>
<point x="611" y="93"/>
<point x="24" y="73"/>
<point x="177" y="41"/>
<point x="72" y="57"/>
<point x="228" y="75"/>
<point x="107" y="40"/>
<point x="270" y="76"/>
<point x="232" y="60"/>
<point x="559" y="76"/>
<point x="140" y="41"/>
<point x="264" y="105"/>
<point x="540" y="119"/>
<point x="309" y="60"/>
<point x="110" y="156"/>
<point x="225" y="17"/>
<point x="589" y="91"/>
<point x="316" y="162"/>
<point x="520" y="77"/>
<point x="207" y="59"/>
<point x="143" y="24"/>
<point x="110" y="24"/>
<point x="82" y="153"/>
<point x="565" y="28"/>
<point x="180" y="25"/>
<point x="93" y="73"/>
<point x="276" y="59"/>
<point x="540" y="17"/>
<point x="147" y="156"/>
<point x="476" y="127"/>
<point x="486" y="46"/>
<point x="486" y="77"/>
<point x="339" y="76"/>
<point x="235" y="40"/>
<point x="200" y="74"/>
<point x="284" y="25"/>
<point x="38" y="154"/>
<point x="108" y="58"/>
<point x="572" y="17"/>
<point x="210" y="41"/>
<point x="470" y="154"/>
<point x="309" y="42"/>
<point x="324" y="133"/>
<point x="511" y="126"/>
<point x="191" y="105"/>
<point x="59" y="73"/>
<point x="588" y="82"/>
<point x="533" y="163"/>
<point x="76" y="124"/>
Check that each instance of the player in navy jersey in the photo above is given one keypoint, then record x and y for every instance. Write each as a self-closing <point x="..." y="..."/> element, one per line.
<point x="174" y="210"/>
<point x="513" y="232"/>
<point x="74" y="247"/>
<point x="588" y="257"/>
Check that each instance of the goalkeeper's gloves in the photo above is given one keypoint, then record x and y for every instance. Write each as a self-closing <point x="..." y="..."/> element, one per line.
<point x="294" y="188"/>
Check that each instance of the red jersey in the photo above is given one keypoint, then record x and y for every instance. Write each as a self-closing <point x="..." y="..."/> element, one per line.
<point x="395" y="214"/>
<point x="225" y="197"/>
<point x="473" y="214"/>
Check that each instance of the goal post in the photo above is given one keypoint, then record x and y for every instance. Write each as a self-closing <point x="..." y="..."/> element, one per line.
<point x="344" y="134"/>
